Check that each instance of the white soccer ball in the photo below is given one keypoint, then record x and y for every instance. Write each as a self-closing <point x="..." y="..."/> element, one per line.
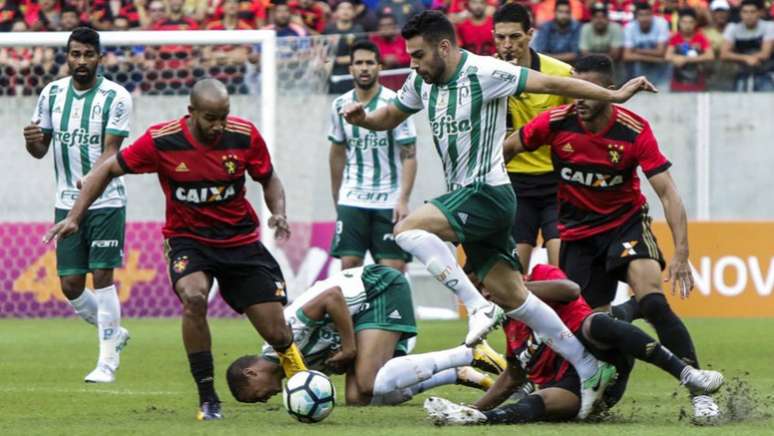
<point x="309" y="396"/>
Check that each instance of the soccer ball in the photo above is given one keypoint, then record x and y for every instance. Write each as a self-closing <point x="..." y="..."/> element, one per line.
<point x="309" y="396"/>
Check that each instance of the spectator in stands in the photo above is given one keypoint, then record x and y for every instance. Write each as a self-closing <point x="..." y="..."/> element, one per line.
<point x="365" y="17"/>
<point x="620" y="11"/>
<point x="391" y="45"/>
<point x="152" y="15"/>
<point x="670" y="11"/>
<point x="401" y="9"/>
<point x="749" y="44"/>
<point x="600" y="35"/>
<point x="230" y="19"/>
<point x="559" y="37"/>
<point x="250" y="12"/>
<point x="545" y="11"/>
<point x="9" y="13"/>
<point x="175" y="18"/>
<point x="475" y="33"/>
<point x="690" y="53"/>
<point x="43" y="15"/>
<point x="344" y="25"/>
<point x="69" y="19"/>
<point x="723" y="73"/>
<point x="228" y="54"/>
<point x="281" y="21"/>
<point x="645" y="42"/>
<point x="121" y="56"/>
<point x="313" y="14"/>
<point x="18" y="59"/>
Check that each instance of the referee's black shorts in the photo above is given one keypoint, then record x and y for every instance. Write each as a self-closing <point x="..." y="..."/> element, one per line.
<point x="537" y="208"/>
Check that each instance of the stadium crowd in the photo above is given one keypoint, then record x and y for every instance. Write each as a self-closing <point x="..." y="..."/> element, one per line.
<point x="680" y="45"/>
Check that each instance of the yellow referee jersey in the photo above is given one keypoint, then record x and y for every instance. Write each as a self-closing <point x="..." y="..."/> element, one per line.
<point x="526" y="106"/>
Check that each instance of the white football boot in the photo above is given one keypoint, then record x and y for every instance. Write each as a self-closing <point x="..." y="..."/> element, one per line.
<point x="105" y="372"/>
<point x="481" y="321"/>
<point x="444" y="412"/>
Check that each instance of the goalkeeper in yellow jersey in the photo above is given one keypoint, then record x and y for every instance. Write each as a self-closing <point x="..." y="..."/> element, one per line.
<point x="532" y="174"/>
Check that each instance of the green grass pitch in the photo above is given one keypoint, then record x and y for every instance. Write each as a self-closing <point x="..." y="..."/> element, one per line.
<point x="42" y="364"/>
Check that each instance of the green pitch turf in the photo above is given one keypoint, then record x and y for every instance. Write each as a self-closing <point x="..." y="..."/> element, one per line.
<point x="43" y="362"/>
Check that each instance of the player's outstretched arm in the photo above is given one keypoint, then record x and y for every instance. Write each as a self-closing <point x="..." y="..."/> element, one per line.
<point x="385" y="118"/>
<point x="679" y="270"/>
<point x="408" y="158"/>
<point x="576" y="88"/>
<point x="36" y="140"/>
<point x="337" y="160"/>
<point x="92" y="187"/>
<point x="331" y="303"/>
<point x="274" y="196"/>
<point x="505" y="385"/>
<point x="512" y="146"/>
<point x="559" y="291"/>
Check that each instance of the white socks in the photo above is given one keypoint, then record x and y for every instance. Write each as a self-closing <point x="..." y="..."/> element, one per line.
<point x="86" y="306"/>
<point x="435" y="255"/>
<point x="108" y="323"/>
<point x="408" y="371"/>
<point x="547" y="324"/>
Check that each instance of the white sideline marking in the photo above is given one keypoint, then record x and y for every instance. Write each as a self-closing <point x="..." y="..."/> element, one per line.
<point x="87" y="391"/>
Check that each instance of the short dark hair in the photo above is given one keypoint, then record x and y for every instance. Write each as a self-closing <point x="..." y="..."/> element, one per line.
<point x="513" y="13"/>
<point x="366" y="45"/>
<point x="687" y="12"/>
<point x="595" y="63"/>
<point x="85" y="35"/>
<point x="642" y="6"/>
<point x="561" y="3"/>
<point x="67" y="9"/>
<point x="433" y="26"/>
<point x="757" y="3"/>
<point x="235" y="374"/>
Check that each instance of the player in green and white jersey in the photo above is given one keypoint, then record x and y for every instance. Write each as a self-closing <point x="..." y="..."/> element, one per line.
<point x="86" y="118"/>
<point x="372" y="173"/>
<point x="357" y="322"/>
<point x="466" y="96"/>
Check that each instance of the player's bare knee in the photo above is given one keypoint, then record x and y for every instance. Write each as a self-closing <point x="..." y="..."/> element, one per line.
<point x="194" y="303"/>
<point x="103" y="278"/>
<point x="72" y="286"/>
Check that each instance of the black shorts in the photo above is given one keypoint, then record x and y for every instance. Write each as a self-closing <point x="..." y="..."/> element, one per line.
<point x="599" y="262"/>
<point x="537" y="210"/>
<point x="247" y="274"/>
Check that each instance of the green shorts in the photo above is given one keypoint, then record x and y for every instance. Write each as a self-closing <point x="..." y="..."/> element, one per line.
<point x="359" y="230"/>
<point x="390" y="306"/>
<point x="482" y="216"/>
<point x="98" y="243"/>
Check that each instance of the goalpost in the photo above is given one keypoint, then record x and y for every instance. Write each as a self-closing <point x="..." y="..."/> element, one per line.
<point x="268" y="64"/>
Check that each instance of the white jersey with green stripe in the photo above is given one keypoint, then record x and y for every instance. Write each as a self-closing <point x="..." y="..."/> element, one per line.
<point x="318" y="339"/>
<point x="373" y="169"/>
<point x="468" y="117"/>
<point x="78" y="122"/>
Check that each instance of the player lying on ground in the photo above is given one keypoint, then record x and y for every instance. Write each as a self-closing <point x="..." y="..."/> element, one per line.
<point x="603" y="216"/>
<point x="202" y="160"/>
<point x="466" y="100"/>
<point x="354" y="322"/>
<point x="558" y="397"/>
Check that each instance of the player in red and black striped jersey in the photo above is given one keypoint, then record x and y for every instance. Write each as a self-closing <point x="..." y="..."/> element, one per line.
<point x="211" y="229"/>
<point x="558" y="387"/>
<point x="604" y="225"/>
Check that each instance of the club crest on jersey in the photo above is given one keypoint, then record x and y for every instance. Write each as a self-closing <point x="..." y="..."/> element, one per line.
<point x="568" y="148"/>
<point x="590" y="179"/>
<point x="180" y="264"/>
<point x="615" y="152"/>
<point x="280" y="292"/>
<point x="230" y="164"/>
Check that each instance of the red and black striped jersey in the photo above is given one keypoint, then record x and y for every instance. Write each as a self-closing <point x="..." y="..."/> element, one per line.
<point x="204" y="185"/>
<point x="598" y="184"/>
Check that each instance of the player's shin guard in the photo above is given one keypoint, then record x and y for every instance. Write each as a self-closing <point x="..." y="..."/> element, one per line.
<point x="545" y="322"/>
<point x="435" y="255"/>
<point x="202" y="370"/>
<point x="530" y="409"/>
<point x="291" y="360"/>
<point x="86" y="306"/>
<point x="632" y="341"/>
<point x="670" y="329"/>
<point x="108" y="324"/>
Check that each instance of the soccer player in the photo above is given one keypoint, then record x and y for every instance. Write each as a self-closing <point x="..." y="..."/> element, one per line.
<point x="211" y="229"/>
<point x="466" y="98"/>
<point x="354" y="322"/>
<point x="532" y="174"/>
<point x="86" y="117"/>
<point x="372" y="173"/>
<point x="528" y="357"/>
<point x="603" y="216"/>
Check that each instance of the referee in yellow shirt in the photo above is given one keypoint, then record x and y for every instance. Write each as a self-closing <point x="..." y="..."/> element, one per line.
<point x="532" y="173"/>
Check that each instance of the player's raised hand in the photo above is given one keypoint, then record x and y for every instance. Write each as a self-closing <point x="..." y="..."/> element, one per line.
<point x="60" y="230"/>
<point x="280" y="226"/>
<point x="680" y="275"/>
<point x="354" y="113"/>
<point x="632" y="87"/>
<point x="33" y="134"/>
